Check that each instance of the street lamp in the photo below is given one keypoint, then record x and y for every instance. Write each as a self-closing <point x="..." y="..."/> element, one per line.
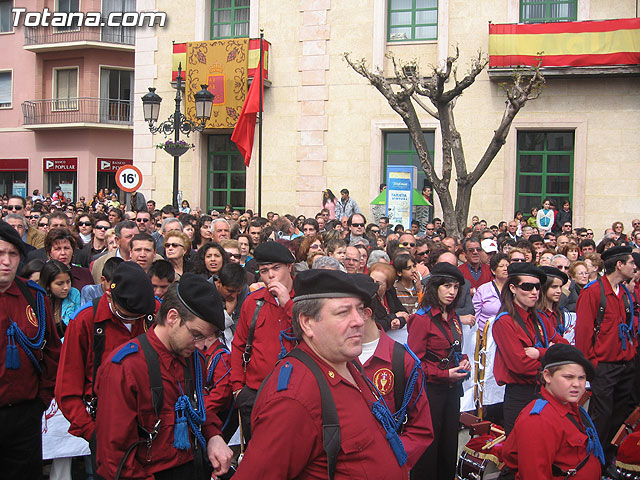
<point x="177" y="122"/>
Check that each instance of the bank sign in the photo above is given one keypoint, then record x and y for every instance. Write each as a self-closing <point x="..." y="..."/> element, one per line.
<point x="60" y="164"/>
<point x="112" y="164"/>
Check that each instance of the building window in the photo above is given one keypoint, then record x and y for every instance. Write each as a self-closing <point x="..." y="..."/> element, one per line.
<point x="226" y="172"/>
<point x="5" y="89"/>
<point x="229" y="19"/>
<point x="540" y="11"/>
<point x="69" y="6"/>
<point x="412" y="20"/>
<point x="65" y="89"/>
<point x="115" y="95"/>
<point x="544" y="168"/>
<point x="122" y="35"/>
<point x="399" y="150"/>
<point x="5" y="16"/>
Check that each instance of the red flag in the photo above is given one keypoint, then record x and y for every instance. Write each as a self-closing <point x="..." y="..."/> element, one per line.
<point x="245" y="128"/>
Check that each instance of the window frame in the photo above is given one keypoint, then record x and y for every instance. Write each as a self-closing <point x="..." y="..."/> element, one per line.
<point x="544" y="174"/>
<point x="57" y="101"/>
<point x="547" y="9"/>
<point x="410" y="154"/>
<point x="413" y="24"/>
<point x="230" y="152"/>
<point x="10" y="72"/>
<point x="71" y="28"/>
<point x="233" y="9"/>
<point x="10" y="31"/>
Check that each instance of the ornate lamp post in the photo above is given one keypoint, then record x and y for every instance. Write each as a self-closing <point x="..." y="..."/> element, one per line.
<point x="177" y="122"/>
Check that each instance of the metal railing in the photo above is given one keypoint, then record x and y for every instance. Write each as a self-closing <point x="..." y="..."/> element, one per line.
<point x="53" y="35"/>
<point x="77" y="110"/>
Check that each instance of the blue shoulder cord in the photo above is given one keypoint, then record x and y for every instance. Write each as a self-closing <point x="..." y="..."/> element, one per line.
<point x="212" y="368"/>
<point x="594" y="446"/>
<point x="186" y="416"/>
<point x="286" y="334"/>
<point x="625" y="331"/>
<point x="544" y="334"/>
<point x="15" y="336"/>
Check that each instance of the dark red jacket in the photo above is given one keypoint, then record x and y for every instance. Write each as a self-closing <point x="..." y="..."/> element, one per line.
<point x="125" y="402"/>
<point x="511" y="365"/>
<point x="286" y="440"/>
<point x="608" y="346"/>
<point x="272" y="319"/>
<point x="75" y="371"/>
<point x="24" y="384"/>
<point x="425" y="335"/>
<point x="485" y="275"/>
<point x="417" y="433"/>
<point x="537" y="441"/>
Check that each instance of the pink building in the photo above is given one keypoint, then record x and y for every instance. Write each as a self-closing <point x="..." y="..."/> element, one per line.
<point x="66" y="115"/>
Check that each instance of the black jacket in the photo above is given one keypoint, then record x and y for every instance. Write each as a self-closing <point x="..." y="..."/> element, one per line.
<point x="380" y="314"/>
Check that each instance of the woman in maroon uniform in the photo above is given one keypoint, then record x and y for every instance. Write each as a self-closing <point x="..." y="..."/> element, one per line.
<point x="522" y="338"/>
<point x="435" y="335"/>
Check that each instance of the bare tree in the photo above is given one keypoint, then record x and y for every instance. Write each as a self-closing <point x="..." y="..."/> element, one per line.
<point x="404" y="92"/>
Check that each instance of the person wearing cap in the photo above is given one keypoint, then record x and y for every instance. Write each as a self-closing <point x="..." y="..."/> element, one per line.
<point x="30" y="349"/>
<point x="554" y="436"/>
<point x="287" y="442"/>
<point x="255" y="350"/>
<point x="549" y="301"/>
<point x="377" y="359"/>
<point x="522" y="338"/>
<point x="610" y="343"/>
<point x="191" y="314"/>
<point x="124" y="311"/>
<point x="489" y="249"/>
<point x="435" y="335"/>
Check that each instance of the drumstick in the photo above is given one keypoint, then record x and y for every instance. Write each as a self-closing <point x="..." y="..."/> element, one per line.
<point x="494" y="442"/>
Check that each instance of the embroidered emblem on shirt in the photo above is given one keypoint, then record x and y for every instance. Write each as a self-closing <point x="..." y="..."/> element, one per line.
<point x="31" y="316"/>
<point x="331" y="374"/>
<point x="383" y="380"/>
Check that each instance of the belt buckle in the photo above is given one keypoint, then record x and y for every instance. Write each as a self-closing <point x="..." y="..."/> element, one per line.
<point x="443" y="364"/>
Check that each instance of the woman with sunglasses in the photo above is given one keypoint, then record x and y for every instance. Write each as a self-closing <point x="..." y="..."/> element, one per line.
<point x="97" y="245"/>
<point x="176" y="250"/>
<point x="83" y="227"/>
<point x="522" y="338"/>
<point x="435" y="336"/>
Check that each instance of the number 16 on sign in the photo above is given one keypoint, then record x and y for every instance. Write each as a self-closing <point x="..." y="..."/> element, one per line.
<point x="128" y="178"/>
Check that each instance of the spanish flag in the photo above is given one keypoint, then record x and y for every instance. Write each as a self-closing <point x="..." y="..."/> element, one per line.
<point x="565" y="44"/>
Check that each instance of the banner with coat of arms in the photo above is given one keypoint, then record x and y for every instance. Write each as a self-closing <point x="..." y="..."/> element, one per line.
<point x="222" y="66"/>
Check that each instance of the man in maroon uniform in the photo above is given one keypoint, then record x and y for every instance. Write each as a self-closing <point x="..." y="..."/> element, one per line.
<point x="30" y="348"/>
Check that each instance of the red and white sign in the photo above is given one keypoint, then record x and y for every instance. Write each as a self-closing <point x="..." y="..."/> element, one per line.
<point x="112" y="164"/>
<point x="60" y="164"/>
<point x="14" y="164"/>
<point x="128" y="178"/>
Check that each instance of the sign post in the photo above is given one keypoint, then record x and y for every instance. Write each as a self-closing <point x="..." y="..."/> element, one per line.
<point x="400" y="194"/>
<point x="128" y="178"/>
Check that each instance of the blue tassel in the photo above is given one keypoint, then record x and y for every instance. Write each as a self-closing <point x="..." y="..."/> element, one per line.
<point x="397" y="447"/>
<point x="13" y="358"/>
<point x="181" y="432"/>
<point x="623" y="333"/>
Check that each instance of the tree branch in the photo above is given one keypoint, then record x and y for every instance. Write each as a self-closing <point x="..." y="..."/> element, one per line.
<point x="433" y="113"/>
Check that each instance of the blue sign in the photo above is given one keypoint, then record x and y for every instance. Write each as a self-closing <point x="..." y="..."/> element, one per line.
<point x="400" y="194"/>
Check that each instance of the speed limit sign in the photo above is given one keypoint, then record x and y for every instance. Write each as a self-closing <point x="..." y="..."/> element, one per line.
<point x="128" y="178"/>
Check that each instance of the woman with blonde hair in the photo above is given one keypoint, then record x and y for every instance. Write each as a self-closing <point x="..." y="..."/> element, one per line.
<point x="176" y="247"/>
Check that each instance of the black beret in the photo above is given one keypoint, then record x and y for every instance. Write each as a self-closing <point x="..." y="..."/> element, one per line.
<point x="132" y="290"/>
<point x="620" y="251"/>
<point x="444" y="269"/>
<point x="636" y="258"/>
<point x="201" y="298"/>
<point x="365" y="282"/>
<point x="9" y="234"/>
<point x="555" y="272"/>
<point x="272" y="252"/>
<point x="563" y="354"/>
<point x="524" y="268"/>
<point x="535" y="238"/>
<point x="320" y="283"/>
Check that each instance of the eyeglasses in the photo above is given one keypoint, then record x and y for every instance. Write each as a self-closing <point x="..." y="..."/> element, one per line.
<point x="568" y="225"/>
<point x="375" y="231"/>
<point x="408" y="244"/>
<point x="562" y="267"/>
<point x="590" y="233"/>
<point x="14" y="207"/>
<point x="237" y="256"/>
<point x="244" y="220"/>
<point x="173" y="245"/>
<point x="518" y="260"/>
<point x="426" y="252"/>
<point x="474" y="249"/>
<point x="357" y="224"/>
<point x="527" y="286"/>
<point x="144" y="220"/>
<point x="430" y="229"/>
<point x="84" y="224"/>
<point x="197" y="337"/>
<point x="351" y="260"/>
<point x="43" y="224"/>
<point x="102" y="227"/>
<point x="314" y="246"/>
<point x="122" y="316"/>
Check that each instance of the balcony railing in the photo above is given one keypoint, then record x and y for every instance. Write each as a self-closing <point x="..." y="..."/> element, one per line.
<point x="34" y="36"/>
<point x="78" y="110"/>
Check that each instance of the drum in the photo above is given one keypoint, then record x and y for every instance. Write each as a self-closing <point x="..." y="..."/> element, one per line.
<point x="475" y="466"/>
